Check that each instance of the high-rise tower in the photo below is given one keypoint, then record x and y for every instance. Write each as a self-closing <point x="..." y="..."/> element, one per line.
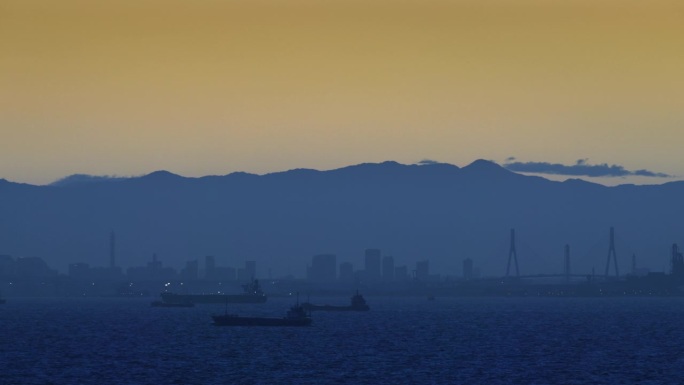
<point x="373" y="265"/>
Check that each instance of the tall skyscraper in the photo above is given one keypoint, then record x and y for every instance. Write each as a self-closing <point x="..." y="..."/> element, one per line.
<point x="372" y="265"/>
<point x="190" y="271"/>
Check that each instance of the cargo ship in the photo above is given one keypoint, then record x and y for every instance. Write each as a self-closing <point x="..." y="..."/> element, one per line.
<point x="296" y="316"/>
<point x="252" y="294"/>
<point x="358" y="303"/>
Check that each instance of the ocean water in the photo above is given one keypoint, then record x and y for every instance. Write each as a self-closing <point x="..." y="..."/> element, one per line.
<point x="400" y="341"/>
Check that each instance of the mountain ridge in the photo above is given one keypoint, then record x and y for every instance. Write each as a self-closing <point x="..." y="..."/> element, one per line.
<point x="164" y="174"/>
<point x="438" y="212"/>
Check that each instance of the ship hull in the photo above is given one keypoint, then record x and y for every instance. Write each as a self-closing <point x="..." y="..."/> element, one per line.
<point x="233" y="320"/>
<point x="212" y="298"/>
<point x="171" y="304"/>
<point x="311" y="307"/>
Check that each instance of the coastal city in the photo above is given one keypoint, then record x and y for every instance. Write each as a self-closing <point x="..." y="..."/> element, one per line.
<point x="325" y="275"/>
<point x="33" y="277"/>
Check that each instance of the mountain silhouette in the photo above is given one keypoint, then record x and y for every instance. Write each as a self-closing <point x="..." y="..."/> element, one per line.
<point x="430" y="211"/>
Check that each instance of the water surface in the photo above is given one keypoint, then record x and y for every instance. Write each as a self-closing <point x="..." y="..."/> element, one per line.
<point x="401" y="340"/>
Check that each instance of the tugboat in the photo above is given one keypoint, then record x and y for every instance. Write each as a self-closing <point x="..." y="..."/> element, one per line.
<point x="358" y="303"/>
<point x="296" y="316"/>
<point x="252" y="294"/>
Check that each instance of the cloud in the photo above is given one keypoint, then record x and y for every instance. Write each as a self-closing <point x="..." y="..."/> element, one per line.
<point x="83" y="178"/>
<point x="581" y="168"/>
<point x="426" y="162"/>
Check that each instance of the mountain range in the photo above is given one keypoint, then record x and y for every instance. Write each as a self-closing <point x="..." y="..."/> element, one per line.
<point x="438" y="212"/>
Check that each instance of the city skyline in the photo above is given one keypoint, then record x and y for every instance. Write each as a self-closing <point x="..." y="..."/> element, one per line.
<point x="434" y="211"/>
<point x="210" y="88"/>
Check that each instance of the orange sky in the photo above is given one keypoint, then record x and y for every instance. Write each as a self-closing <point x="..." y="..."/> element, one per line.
<point x="127" y="87"/>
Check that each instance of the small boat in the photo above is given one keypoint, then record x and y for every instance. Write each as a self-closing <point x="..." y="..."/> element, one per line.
<point x="171" y="304"/>
<point x="358" y="303"/>
<point x="296" y="316"/>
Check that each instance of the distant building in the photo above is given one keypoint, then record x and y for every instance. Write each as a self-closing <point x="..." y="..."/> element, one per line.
<point x="248" y="272"/>
<point x="323" y="268"/>
<point x="6" y="266"/>
<point x="105" y="274"/>
<point x="468" y="269"/>
<point x="155" y="264"/>
<point x="242" y="275"/>
<point x="372" y="266"/>
<point x="191" y="271"/>
<point x="388" y="268"/>
<point x="79" y="271"/>
<point x="112" y="250"/>
<point x="224" y="274"/>
<point x="153" y="271"/>
<point x="209" y="267"/>
<point x="347" y="272"/>
<point x="250" y="267"/>
<point x="423" y="270"/>
<point x="26" y="267"/>
<point x="677" y="263"/>
<point x="221" y="273"/>
<point x="401" y="273"/>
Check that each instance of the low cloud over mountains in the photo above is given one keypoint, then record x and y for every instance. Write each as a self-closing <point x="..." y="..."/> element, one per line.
<point x="581" y="168"/>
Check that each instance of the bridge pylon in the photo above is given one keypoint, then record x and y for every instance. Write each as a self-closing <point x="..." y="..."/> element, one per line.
<point x="611" y="254"/>
<point x="512" y="254"/>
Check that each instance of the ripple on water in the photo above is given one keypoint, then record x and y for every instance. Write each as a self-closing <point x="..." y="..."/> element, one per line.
<point x="487" y="340"/>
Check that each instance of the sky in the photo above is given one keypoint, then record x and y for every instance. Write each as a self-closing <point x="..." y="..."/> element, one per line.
<point x="210" y="87"/>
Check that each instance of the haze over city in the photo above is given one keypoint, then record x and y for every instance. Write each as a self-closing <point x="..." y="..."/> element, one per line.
<point x="341" y="191"/>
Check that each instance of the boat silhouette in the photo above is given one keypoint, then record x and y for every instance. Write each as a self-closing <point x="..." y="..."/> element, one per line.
<point x="252" y="293"/>
<point x="358" y="303"/>
<point x="296" y="316"/>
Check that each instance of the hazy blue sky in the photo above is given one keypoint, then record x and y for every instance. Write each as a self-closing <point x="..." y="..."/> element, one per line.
<point x="210" y="87"/>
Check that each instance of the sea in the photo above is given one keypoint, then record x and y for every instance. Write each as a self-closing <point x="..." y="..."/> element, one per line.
<point x="399" y="341"/>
